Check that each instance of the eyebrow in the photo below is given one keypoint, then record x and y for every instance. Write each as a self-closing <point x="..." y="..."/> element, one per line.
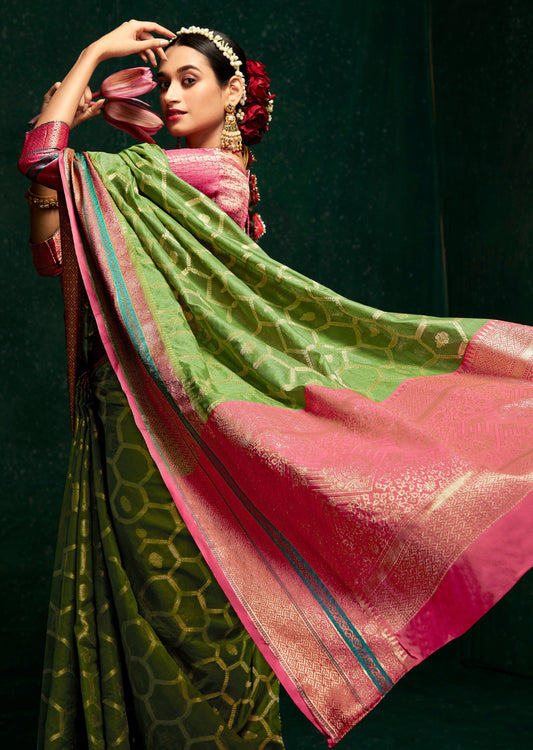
<point x="182" y="69"/>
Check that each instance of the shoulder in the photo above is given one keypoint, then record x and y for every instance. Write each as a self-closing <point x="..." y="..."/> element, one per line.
<point x="208" y="157"/>
<point x="206" y="168"/>
<point x="217" y="174"/>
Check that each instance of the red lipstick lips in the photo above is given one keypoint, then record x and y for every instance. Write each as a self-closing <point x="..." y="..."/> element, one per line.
<point x="175" y="114"/>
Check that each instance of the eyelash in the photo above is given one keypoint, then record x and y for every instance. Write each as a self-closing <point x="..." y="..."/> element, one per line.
<point x="187" y="82"/>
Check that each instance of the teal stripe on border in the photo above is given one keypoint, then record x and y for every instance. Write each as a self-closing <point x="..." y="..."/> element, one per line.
<point x="349" y="634"/>
<point x="126" y="308"/>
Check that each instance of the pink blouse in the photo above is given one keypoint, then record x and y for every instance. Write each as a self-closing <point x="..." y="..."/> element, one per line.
<point x="212" y="171"/>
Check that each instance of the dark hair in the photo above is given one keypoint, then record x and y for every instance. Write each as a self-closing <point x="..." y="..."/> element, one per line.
<point x="220" y="64"/>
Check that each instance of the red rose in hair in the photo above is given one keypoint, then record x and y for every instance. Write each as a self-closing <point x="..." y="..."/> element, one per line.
<point x="255" y="68"/>
<point x="256" y="113"/>
<point x="258" y="83"/>
<point x="254" y="124"/>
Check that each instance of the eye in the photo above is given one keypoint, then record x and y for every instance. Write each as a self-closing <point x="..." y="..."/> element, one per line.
<point x="163" y="85"/>
<point x="188" y="81"/>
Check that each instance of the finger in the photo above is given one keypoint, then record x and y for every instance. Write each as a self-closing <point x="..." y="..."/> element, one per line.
<point x="154" y="42"/>
<point x="147" y="55"/>
<point x="85" y="98"/>
<point x="52" y="90"/>
<point x="150" y="26"/>
<point x="151" y="46"/>
<point x="49" y="94"/>
<point x="161" y="53"/>
<point x="96" y="107"/>
<point x="89" y="112"/>
<point x="151" y="57"/>
<point x="92" y="109"/>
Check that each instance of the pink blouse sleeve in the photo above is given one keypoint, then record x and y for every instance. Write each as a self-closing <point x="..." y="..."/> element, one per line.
<point x="39" y="159"/>
<point x="47" y="257"/>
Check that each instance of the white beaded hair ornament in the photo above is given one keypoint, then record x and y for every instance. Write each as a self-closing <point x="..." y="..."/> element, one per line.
<point x="223" y="47"/>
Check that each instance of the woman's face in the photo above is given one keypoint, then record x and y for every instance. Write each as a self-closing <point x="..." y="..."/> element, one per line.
<point x="192" y="100"/>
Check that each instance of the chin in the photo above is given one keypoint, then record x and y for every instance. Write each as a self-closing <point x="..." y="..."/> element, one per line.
<point x="174" y="129"/>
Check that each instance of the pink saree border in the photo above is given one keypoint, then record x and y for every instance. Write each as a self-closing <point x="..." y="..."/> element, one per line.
<point x="498" y="350"/>
<point x="429" y="629"/>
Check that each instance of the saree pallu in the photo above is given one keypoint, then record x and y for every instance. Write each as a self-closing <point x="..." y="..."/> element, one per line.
<point x="359" y="482"/>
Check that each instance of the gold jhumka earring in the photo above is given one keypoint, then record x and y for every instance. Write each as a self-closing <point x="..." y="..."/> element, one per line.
<point x="230" y="139"/>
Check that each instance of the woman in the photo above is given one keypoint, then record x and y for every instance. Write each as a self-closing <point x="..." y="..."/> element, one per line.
<point x="273" y="408"/>
<point x="206" y="678"/>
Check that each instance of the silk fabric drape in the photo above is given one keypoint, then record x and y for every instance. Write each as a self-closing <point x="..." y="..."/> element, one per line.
<point x="344" y="471"/>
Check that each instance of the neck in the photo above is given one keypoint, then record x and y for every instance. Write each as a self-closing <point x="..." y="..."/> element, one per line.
<point x="205" y="140"/>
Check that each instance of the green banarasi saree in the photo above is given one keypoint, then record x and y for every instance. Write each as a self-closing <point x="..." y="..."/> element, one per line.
<point x="143" y="647"/>
<point x="359" y="483"/>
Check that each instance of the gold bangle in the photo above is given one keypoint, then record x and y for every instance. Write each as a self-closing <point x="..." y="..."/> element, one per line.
<point x="41" y="201"/>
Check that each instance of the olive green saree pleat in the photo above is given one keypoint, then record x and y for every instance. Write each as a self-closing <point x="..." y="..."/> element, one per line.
<point x="143" y="647"/>
<point x="82" y="703"/>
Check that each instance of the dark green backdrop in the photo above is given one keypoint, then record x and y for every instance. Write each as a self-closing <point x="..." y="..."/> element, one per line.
<point x="397" y="170"/>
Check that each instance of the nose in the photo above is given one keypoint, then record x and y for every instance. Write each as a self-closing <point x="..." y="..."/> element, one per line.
<point x="173" y="92"/>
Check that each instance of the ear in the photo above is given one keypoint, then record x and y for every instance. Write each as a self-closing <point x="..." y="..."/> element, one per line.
<point x="235" y="90"/>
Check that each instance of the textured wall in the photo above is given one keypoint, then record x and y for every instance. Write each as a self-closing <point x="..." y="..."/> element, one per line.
<point x="483" y="61"/>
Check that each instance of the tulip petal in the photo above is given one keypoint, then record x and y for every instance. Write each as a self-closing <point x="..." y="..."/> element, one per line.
<point x="127" y="83"/>
<point x="139" y="121"/>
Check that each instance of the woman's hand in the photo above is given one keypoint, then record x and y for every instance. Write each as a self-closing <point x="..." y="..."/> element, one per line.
<point x="134" y="38"/>
<point x="86" y="107"/>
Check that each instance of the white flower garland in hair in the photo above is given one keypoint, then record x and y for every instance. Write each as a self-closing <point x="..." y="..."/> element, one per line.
<point x="224" y="47"/>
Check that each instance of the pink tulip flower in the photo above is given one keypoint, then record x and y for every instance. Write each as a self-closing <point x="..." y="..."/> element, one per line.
<point x="126" y="84"/>
<point x="132" y="116"/>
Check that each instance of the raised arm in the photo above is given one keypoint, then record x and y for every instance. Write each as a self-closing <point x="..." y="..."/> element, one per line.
<point x="132" y="37"/>
<point x="67" y="104"/>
